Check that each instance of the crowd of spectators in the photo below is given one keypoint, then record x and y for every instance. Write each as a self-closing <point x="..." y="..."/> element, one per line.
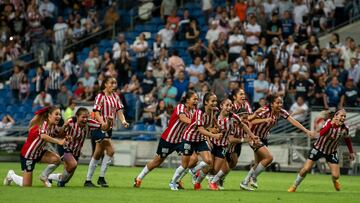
<point x="252" y="45"/>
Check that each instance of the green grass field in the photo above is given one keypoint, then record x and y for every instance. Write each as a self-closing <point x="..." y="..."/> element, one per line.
<point x="273" y="186"/>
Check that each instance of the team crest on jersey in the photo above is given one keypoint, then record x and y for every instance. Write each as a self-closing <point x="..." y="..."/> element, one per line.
<point x="28" y="164"/>
<point x="187" y="146"/>
<point x="165" y="150"/>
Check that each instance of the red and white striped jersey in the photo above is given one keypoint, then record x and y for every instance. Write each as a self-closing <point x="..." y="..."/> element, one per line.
<point x="78" y="134"/>
<point x="173" y="133"/>
<point x="199" y="118"/>
<point x="330" y="135"/>
<point x="245" y="105"/>
<point x="262" y="130"/>
<point x="34" y="145"/>
<point x="107" y="105"/>
<point x="227" y="127"/>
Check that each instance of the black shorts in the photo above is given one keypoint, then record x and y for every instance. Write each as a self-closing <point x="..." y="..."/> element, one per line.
<point x="315" y="155"/>
<point x="190" y="147"/>
<point x="99" y="135"/>
<point x="236" y="150"/>
<point x="219" y="151"/>
<point x="28" y="165"/>
<point x="166" y="148"/>
<point x="263" y="142"/>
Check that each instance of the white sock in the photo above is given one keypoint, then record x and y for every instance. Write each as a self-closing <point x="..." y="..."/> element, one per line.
<point x="201" y="177"/>
<point x="91" y="169"/>
<point x="177" y="174"/>
<point x="49" y="169"/>
<point x="218" y="176"/>
<point x="298" y="180"/>
<point x="259" y="169"/>
<point x="183" y="174"/>
<point x="250" y="173"/>
<point x="65" y="175"/>
<point x="199" y="166"/>
<point x="18" y="180"/>
<point x="106" y="160"/>
<point x="143" y="173"/>
<point x="54" y="177"/>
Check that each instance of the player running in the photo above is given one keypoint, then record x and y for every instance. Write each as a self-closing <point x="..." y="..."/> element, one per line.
<point x="326" y="147"/>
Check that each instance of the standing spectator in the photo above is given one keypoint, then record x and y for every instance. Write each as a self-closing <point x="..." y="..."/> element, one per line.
<point x="92" y="63"/>
<point x="213" y="33"/>
<point x="148" y="84"/>
<point x="252" y="32"/>
<point x="60" y="30"/>
<point x="240" y="9"/>
<point x="274" y="28"/>
<point x="123" y="68"/>
<point x="63" y="97"/>
<point x="249" y="77"/>
<point x="174" y="21"/>
<point x="340" y="14"/>
<point x="352" y="94"/>
<point x="334" y="94"/>
<point x="285" y="6"/>
<point x="78" y="31"/>
<point x="24" y="89"/>
<point x="168" y="92"/>
<point x="39" y="80"/>
<point x="157" y="45"/>
<point x="111" y="16"/>
<point x="181" y="84"/>
<point x="42" y="99"/>
<point x="206" y="7"/>
<point x="261" y="88"/>
<point x="15" y="80"/>
<point x="55" y="79"/>
<point x="312" y="49"/>
<point x="269" y="7"/>
<point x="303" y="87"/>
<point x="234" y="20"/>
<point x="300" y="10"/>
<point x="192" y="33"/>
<point x="334" y="47"/>
<point x="72" y="69"/>
<point x="166" y="7"/>
<point x="140" y="47"/>
<point x="119" y="45"/>
<point x="167" y="35"/>
<point x="236" y="42"/>
<point x="220" y="85"/>
<point x="48" y="11"/>
<point x="287" y="24"/>
<point x="194" y="70"/>
<point x="354" y="71"/>
<point x="176" y="63"/>
<point x="299" y="110"/>
<point x="277" y="87"/>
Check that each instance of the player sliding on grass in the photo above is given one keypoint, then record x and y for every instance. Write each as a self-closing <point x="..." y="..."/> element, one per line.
<point x="227" y="123"/>
<point x="76" y="129"/>
<point x="326" y="147"/>
<point x="194" y="140"/>
<point x="42" y="129"/>
<point x="172" y="136"/>
<point x="263" y="158"/>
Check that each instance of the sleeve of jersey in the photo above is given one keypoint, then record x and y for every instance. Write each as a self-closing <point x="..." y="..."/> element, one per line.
<point x="98" y="102"/>
<point x="248" y="108"/>
<point x="180" y="109"/>
<point x="93" y="124"/>
<point x="236" y="118"/>
<point x="43" y="129"/>
<point x="119" y="104"/>
<point x="326" y="128"/>
<point x="284" y="114"/>
<point x="199" y="118"/>
<point x="260" y="112"/>
<point x="347" y="140"/>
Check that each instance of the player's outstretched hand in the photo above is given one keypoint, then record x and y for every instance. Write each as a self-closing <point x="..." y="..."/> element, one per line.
<point x="125" y="124"/>
<point x="352" y="156"/>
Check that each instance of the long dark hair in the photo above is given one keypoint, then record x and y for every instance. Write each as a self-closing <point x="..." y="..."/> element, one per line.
<point x="206" y="98"/>
<point x="42" y="116"/>
<point x="233" y="94"/>
<point x="81" y="110"/>
<point x="107" y="78"/>
<point x="271" y="98"/>
<point x="187" y="96"/>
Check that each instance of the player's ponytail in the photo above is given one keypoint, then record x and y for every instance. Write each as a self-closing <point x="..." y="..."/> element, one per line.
<point x="187" y="96"/>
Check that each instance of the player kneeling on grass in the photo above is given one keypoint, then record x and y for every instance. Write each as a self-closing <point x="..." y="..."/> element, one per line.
<point x="227" y="124"/>
<point x="326" y="147"/>
<point x="77" y="129"/>
<point x="43" y="128"/>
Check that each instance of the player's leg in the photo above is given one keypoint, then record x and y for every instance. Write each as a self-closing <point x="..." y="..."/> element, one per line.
<point x="207" y="158"/>
<point x="333" y="164"/>
<point x="302" y="174"/>
<point x="109" y="153"/>
<point x="54" y="161"/>
<point x="70" y="165"/>
<point x="187" y="151"/>
<point x="192" y="164"/>
<point x="99" y="150"/>
<point x="218" y="169"/>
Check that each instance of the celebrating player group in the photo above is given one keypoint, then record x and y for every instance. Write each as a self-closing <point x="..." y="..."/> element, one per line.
<point x="213" y="134"/>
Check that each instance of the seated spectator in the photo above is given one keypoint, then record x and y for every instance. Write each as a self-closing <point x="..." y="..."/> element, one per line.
<point x="252" y="32"/>
<point x="192" y="33"/>
<point x="261" y="89"/>
<point x="148" y="84"/>
<point x="133" y="86"/>
<point x="78" y="31"/>
<point x="79" y="93"/>
<point x="354" y="71"/>
<point x="274" y="28"/>
<point x="140" y="47"/>
<point x="236" y="43"/>
<point x="195" y="69"/>
<point x="176" y="63"/>
<point x="168" y="92"/>
<point x="69" y="111"/>
<point x="24" y="89"/>
<point x="299" y="109"/>
<point x="87" y="80"/>
<point x="43" y="99"/>
<point x="92" y="63"/>
<point x="6" y="122"/>
<point x="352" y="94"/>
<point x="213" y="33"/>
<point x="173" y="20"/>
<point x="181" y="84"/>
<point x="157" y="45"/>
<point x="277" y="87"/>
<point x="63" y="97"/>
<point x="167" y="35"/>
<point x="334" y="94"/>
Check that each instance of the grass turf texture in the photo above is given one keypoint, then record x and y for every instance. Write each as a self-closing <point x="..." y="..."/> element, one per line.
<point x="272" y="188"/>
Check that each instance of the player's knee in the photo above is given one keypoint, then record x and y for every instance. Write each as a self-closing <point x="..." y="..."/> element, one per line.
<point x="335" y="176"/>
<point x="56" y="160"/>
<point x="209" y="162"/>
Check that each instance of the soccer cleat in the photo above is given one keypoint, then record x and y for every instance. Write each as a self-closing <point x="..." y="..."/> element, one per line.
<point x="221" y="184"/>
<point x="337" y="185"/>
<point x="253" y="182"/>
<point x="245" y="186"/>
<point x="292" y="188"/>
<point x="8" y="179"/>
<point x="101" y="181"/>
<point x="173" y="186"/>
<point x="88" y="183"/>
<point x="45" y="180"/>
<point x="137" y="182"/>
<point x="180" y="185"/>
<point x="194" y="177"/>
<point x="197" y="186"/>
<point x="213" y="186"/>
<point x="61" y="184"/>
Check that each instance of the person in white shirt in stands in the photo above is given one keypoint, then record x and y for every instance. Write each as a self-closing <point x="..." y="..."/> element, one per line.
<point x="300" y="10"/>
<point x="299" y="109"/>
<point x="60" y="32"/>
<point x="213" y="33"/>
<point x="43" y="99"/>
<point x="195" y="69"/>
<point x="167" y="34"/>
<point x="252" y="32"/>
<point x="88" y="80"/>
<point x="47" y="9"/>
<point x="140" y="47"/>
<point x="6" y="122"/>
<point x="116" y="47"/>
<point x="236" y="42"/>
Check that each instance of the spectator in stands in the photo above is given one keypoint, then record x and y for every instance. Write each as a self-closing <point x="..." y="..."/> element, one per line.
<point x="269" y="8"/>
<point x="285" y="6"/>
<point x="287" y="24"/>
<point x="78" y="31"/>
<point x="55" y="79"/>
<point x="213" y="33"/>
<point x="304" y="87"/>
<point x="348" y="51"/>
<point x="111" y="71"/>
<point x="133" y="86"/>
<point x="354" y="71"/>
<point x="145" y="10"/>
<point x="192" y="33"/>
<point x="261" y="89"/>
<point x="72" y="69"/>
<point x="312" y="49"/>
<point x="220" y="85"/>
<point x="123" y="68"/>
<point x="276" y="86"/>
<point x="6" y="122"/>
<point x="299" y="110"/>
<point x="167" y="34"/>
<point x="181" y="84"/>
<point x="235" y="42"/>
<point x="206" y="7"/>
<point x="195" y="69"/>
<point x="252" y="32"/>
<point x="198" y="49"/>
<point x="105" y="61"/>
<point x="261" y="64"/>
<point x="168" y="92"/>
<point x="234" y="20"/>
<point x="43" y="99"/>
<point x="140" y="47"/>
<point x="47" y="10"/>
<point x="69" y="111"/>
<point x="15" y="81"/>
<point x="300" y="10"/>
<point x="318" y="19"/>
<point x="174" y="21"/>
<point x="60" y="35"/>
<point x="334" y="47"/>
<point x="249" y="77"/>
<point x="175" y="63"/>
<point x="167" y="6"/>
<point x="244" y="60"/>
<point x="39" y="80"/>
<point x="334" y="94"/>
<point x="274" y="28"/>
<point x="88" y="80"/>
<point x="24" y="89"/>
<point x="148" y="83"/>
<point x="240" y="9"/>
<point x="92" y="63"/>
<point x="119" y="45"/>
<point x="301" y="67"/>
<point x="18" y="24"/>
<point x="111" y="16"/>
<point x="159" y="43"/>
<point x="79" y="92"/>
<point x="352" y="94"/>
<point x="159" y="72"/>
<point x="63" y="97"/>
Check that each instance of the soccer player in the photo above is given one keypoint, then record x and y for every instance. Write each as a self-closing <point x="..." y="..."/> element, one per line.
<point x="42" y="129"/>
<point x="107" y="104"/>
<point x="194" y="140"/>
<point x="77" y="128"/>
<point x="172" y="136"/>
<point x="228" y="123"/>
<point x="263" y="158"/>
<point x="326" y="147"/>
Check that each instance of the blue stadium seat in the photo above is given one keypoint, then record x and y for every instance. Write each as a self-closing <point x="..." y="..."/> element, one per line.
<point x="105" y="43"/>
<point x="139" y="127"/>
<point x="86" y="50"/>
<point x="151" y="128"/>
